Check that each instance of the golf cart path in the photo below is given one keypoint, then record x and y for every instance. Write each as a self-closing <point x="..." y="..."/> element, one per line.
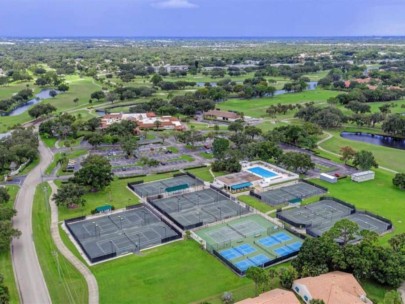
<point x="329" y="136"/>
<point x="79" y="265"/>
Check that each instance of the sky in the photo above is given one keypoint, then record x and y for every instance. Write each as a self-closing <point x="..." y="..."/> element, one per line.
<point x="201" y="18"/>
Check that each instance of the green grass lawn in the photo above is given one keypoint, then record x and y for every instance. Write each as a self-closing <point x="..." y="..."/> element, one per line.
<point x="69" y="286"/>
<point x="375" y="292"/>
<point x="207" y="155"/>
<point x="49" y="141"/>
<point x="257" y="107"/>
<point x="378" y="196"/>
<point x="6" y="266"/>
<point x="79" y="88"/>
<point x="387" y="157"/>
<point x="202" y="173"/>
<point x="255" y="203"/>
<point x="117" y="194"/>
<point x="177" y="273"/>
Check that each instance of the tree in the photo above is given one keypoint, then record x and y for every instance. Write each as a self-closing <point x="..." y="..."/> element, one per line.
<point x="287" y="275"/>
<point x="53" y="93"/>
<point x="157" y="124"/>
<point x="399" y="181"/>
<point x="219" y="147"/>
<point x="76" y="100"/>
<point x="97" y="95"/>
<point x="397" y="242"/>
<point x="156" y="79"/>
<point x="344" y="231"/>
<point x="41" y="109"/>
<point x="258" y="276"/>
<point x="4" y="195"/>
<point x="95" y="139"/>
<point x="364" y="160"/>
<point x="4" y="293"/>
<point x="236" y="126"/>
<point x="129" y="144"/>
<point x="63" y="87"/>
<point x="69" y="195"/>
<point x="348" y="154"/>
<point x="95" y="173"/>
<point x="392" y="297"/>
<point x="6" y="213"/>
<point x="297" y="162"/>
<point x="7" y="233"/>
<point x="253" y="131"/>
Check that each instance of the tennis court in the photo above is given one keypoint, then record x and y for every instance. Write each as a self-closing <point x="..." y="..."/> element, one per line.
<point x="289" y="193"/>
<point x="116" y="234"/>
<point x="324" y="211"/>
<point x="365" y="222"/>
<point x="250" y="241"/>
<point x="162" y="186"/>
<point x="194" y="209"/>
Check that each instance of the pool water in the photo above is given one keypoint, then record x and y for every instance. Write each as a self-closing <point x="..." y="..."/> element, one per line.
<point x="262" y="172"/>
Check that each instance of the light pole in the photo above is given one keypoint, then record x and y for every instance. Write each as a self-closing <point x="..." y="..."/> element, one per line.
<point x="139" y="241"/>
<point x="112" y="246"/>
<point x="165" y="231"/>
<point x="220" y="213"/>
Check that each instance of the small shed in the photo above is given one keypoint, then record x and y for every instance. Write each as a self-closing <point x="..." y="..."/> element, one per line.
<point x="105" y="208"/>
<point x="363" y="176"/>
<point x="328" y="178"/>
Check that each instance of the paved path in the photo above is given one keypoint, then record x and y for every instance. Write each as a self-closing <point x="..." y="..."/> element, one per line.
<point x="80" y="266"/>
<point x="27" y="271"/>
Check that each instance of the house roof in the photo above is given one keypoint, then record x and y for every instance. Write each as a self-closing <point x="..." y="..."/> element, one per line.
<point x="275" y="296"/>
<point x="334" y="288"/>
<point x="225" y="114"/>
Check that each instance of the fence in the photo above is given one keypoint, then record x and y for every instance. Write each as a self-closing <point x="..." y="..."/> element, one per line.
<point x="383" y="219"/>
<point x="340" y="202"/>
<point x="315" y="185"/>
<point x="75" y="219"/>
<point x="225" y="261"/>
<point x="220" y="191"/>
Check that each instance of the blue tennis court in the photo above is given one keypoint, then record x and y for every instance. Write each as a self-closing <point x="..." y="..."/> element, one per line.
<point x="281" y="237"/>
<point x="268" y="241"/>
<point x="245" y="249"/>
<point x="296" y="246"/>
<point x="230" y="254"/>
<point x="259" y="260"/>
<point x="282" y="251"/>
<point x="244" y="265"/>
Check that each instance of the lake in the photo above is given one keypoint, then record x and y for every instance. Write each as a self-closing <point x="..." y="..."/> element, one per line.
<point x="375" y="139"/>
<point x="44" y="94"/>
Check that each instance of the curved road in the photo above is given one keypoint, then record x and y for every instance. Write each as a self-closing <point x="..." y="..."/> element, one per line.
<point x="27" y="271"/>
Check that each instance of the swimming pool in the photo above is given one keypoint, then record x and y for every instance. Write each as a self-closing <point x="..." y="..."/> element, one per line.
<point x="262" y="172"/>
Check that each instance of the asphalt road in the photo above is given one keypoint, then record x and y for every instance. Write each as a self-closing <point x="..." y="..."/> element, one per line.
<point x="30" y="280"/>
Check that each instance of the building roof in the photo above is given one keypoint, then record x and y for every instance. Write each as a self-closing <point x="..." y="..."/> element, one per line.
<point x="238" y="178"/>
<point x="363" y="173"/>
<point x="334" y="288"/>
<point x="225" y="114"/>
<point x="275" y="296"/>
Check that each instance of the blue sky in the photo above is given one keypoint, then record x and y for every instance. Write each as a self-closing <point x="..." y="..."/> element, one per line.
<point x="52" y="18"/>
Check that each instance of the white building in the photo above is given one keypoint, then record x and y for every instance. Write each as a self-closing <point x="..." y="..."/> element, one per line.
<point x="328" y="178"/>
<point x="363" y="176"/>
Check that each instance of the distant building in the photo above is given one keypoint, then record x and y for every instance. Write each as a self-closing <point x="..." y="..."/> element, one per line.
<point x="333" y="288"/>
<point x="144" y="121"/>
<point x="221" y="115"/>
<point x="275" y="296"/>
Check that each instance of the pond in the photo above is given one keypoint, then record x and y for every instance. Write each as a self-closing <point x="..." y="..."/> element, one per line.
<point x="44" y="94"/>
<point x="375" y="139"/>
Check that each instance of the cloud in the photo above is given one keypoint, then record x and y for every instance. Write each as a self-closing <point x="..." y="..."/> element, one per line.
<point x="175" y="4"/>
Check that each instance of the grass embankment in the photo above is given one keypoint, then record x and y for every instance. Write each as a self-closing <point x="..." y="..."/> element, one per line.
<point x="58" y="157"/>
<point x="6" y="265"/>
<point x="393" y="159"/>
<point x="65" y="283"/>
